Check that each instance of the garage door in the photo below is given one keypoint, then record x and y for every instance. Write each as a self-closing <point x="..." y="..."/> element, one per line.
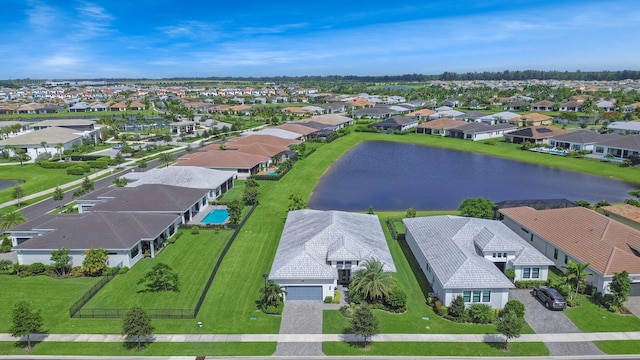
<point x="635" y="289"/>
<point x="304" y="293"/>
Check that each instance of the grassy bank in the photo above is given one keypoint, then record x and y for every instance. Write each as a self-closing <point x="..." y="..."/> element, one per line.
<point x="434" y="349"/>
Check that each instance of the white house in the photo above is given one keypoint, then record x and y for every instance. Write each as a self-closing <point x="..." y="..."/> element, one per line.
<point x="466" y="257"/>
<point x="319" y="250"/>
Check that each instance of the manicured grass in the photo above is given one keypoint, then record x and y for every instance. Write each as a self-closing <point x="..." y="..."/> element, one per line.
<point x="153" y="349"/>
<point x="397" y="216"/>
<point x="619" y="347"/>
<point x="52" y="296"/>
<point x="34" y="179"/>
<point x="192" y="257"/>
<point x="434" y="349"/>
<point x="64" y="114"/>
<point x="590" y="317"/>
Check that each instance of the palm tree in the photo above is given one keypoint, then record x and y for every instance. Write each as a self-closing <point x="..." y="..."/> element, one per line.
<point x="372" y="282"/>
<point x="576" y="273"/>
<point x="272" y="294"/>
<point x="166" y="158"/>
<point x="44" y="146"/>
<point x="11" y="219"/>
<point x="59" y="147"/>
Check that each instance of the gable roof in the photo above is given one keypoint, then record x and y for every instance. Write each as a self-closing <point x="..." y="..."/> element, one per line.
<point x="299" y="128"/>
<point x="109" y="230"/>
<point x="184" y="176"/>
<point x="51" y="135"/>
<point x="624" y="210"/>
<point x="146" y="198"/>
<point x="584" y="136"/>
<point x="397" y="121"/>
<point x="222" y="159"/>
<point x="281" y="133"/>
<point x="631" y="142"/>
<point x="586" y="235"/>
<point x="478" y="127"/>
<point x="442" y="123"/>
<point x="538" y="132"/>
<point x="449" y="243"/>
<point x="262" y="139"/>
<point x="311" y="238"/>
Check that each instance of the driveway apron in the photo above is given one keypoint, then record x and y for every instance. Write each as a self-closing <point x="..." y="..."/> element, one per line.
<point x="545" y="321"/>
<point x="301" y="317"/>
<point x="633" y="305"/>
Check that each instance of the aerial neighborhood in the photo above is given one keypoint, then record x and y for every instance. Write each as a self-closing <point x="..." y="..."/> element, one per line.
<point x="213" y="181"/>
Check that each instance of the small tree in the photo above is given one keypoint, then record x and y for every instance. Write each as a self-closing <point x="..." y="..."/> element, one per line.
<point x="160" y="278"/>
<point x="87" y="185"/>
<point x="18" y="194"/>
<point x="166" y="159"/>
<point x="296" y="202"/>
<point x="272" y="294"/>
<point x="120" y="182"/>
<point x="250" y="195"/>
<point x="364" y="323"/>
<point x="58" y="194"/>
<point x="137" y="325"/>
<point x="510" y="325"/>
<point x="235" y="211"/>
<point x="25" y="321"/>
<point x="61" y="260"/>
<point x="620" y="288"/>
<point x="11" y="219"/>
<point x="477" y="207"/>
<point x="457" y="309"/>
<point x="142" y="164"/>
<point x="515" y="307"/>
<point x="370" y="211"/>
<point x="95" y="262"/>
<point x="119" y="158"/>
<point x="411" y="213"/>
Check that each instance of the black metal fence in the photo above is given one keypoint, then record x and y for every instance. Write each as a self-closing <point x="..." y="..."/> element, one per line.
<point x="392" y="229"/>
<point x="77" y="311"/>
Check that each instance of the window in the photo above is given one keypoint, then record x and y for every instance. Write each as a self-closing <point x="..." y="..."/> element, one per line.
<point x="535" y="273"/>
<point x="486" y="296"/>
<point x="476" y="295"/>
<point x="525" y="230"/>
<point x="467" y="296"/>
<point x="599" y="149"/>
<point x="531" y="238"/>
<point x="555" y="254"/>
<point x="504" y="255"/>
<point x="494" y="254"/>
<point x="499" y="254"/>
<point x="526" y="273"/>
<point x="566" y="259"/>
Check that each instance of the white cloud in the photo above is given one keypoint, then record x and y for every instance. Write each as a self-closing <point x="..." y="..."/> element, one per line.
<point x="61" y="61"/>
<point x="92" y="22"/>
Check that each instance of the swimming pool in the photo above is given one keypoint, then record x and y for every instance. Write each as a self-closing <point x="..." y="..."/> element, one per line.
<point x="216" y="216"/>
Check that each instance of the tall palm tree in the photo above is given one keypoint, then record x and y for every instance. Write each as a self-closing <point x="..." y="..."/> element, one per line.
<point x="44" y="146"/>
<point x="11" y="219"/>
<point x="59" y="147"/>
<point x="576" y="273"/>
<point x="166" y="158"/>
<point x="372" y="281"/>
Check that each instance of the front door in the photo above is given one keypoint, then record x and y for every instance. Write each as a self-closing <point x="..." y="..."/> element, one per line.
<point x="344" y="275"/>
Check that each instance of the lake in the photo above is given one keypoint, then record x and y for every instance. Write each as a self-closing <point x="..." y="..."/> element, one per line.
<point x="396" y="176"/>
<point x="5" y="184"/>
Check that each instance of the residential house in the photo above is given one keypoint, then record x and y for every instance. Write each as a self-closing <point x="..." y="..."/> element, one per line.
<point x="375" y="112"/>
<point x="243" y="164"/>
<point x="534" y="134"/>
<point x="581" y="235"/>
<point x="80" y="107"/>
<point x="339" y="121"/>
<point x="571" y="106"/>
<point x="544" y="105"/>
<point x="319" y="250"/>
<point x="422" y="114"/>
<point x="579" y="140"/>
<point x="622" y="147"/>
<point x="625" y="127"/>
<point x="125" y="236"/>
<point x="32" y="142"/>
<point x="516" y="105"/>
<point x="531" y="119"/>
<point x="273" y="131"/>
<point x="466" y="257"/>
<point x="299" y="128"/>
<point x="624" y="213"/>
<point x="397" y="123"/>
<point x="478" y="131"/>
<point x="119" y="106"/>
<point x="88" y="128"/>
<point x="441" y="126"/>
<point x="497" y="118"/>
<point x="606" y="106"/>
<point x="137" y="105"/>
<point x="446" y="113"/>
<point x="216" y="182"/>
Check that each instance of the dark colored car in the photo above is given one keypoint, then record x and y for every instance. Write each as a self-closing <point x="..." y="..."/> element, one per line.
<point x="550" y="297"/>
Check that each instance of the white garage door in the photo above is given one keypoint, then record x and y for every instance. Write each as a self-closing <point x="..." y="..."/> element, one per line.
<point x="304" y="293"/>
<point x="635" y="289"/>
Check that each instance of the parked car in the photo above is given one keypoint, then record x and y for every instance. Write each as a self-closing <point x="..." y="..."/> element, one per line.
<point x="550" y="297"/>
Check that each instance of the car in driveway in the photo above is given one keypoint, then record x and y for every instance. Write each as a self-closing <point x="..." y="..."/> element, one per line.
<point x="550" y="297"/>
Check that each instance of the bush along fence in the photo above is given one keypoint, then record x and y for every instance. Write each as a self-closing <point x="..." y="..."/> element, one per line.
<point x="394" y="233"/>
<point x="77" y="311"/>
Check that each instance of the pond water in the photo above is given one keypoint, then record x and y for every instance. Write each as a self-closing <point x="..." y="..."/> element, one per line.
<point x="396" y="176"/>
<point x="5" y="184"/>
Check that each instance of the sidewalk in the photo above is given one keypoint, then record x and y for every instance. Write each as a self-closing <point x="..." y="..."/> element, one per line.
<point x="172" y="338"/>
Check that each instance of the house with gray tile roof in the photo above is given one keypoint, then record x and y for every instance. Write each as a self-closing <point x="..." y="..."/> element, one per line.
<point x="217" y="182"/>
<point x="125" y="236"/>
<point x="319" y="250"/>
<point x="466" y="257"/>
<point x="148" y="198"/>
<point x="31" y="142"/>
<point x="623" y="147"/>
<point x="580" y="140"/>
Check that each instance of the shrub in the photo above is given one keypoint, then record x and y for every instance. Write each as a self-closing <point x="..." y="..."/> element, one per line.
<point x="328" y="299"/>
<point x="510" y="274"/>
<point x="491" y="142"/>
<point x="439" y="308"/>
<point x="111" y="271"/>
<point x="396" y="301"/>
<point x="457" y="309"/>
<point x="6" y="245"/>
<point x="273" y="310"/>
<point x="76" y="170"/>
<point x="515" y="307"/>
<point x="97" y="164"/>
<point x="336" y="296"/>
<point x="481" y="313"/>
<point x="123" y="270"/>
<point x="5" y="265"/>
<point x="346" y="311"/>
<point x="195" y="230"/>
<point x="355" y="297"/>
<point x="530" y="284"/>
<point x="37" y="268"/>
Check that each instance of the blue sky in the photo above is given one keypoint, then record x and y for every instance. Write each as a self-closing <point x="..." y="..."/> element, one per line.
<point x="166" y="38"/>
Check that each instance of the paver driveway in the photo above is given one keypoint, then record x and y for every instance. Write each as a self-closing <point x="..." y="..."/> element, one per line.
<point x="545" y="321"/>
<point x="301" y="317"/>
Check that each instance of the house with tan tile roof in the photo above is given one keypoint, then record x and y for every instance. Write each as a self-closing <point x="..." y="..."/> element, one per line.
<point x="243" y="164"/>
<point x="422" y="114"/>
<point x="534" y="134"/>
<point x="263" y="139"/>
<point x="299" y="128"/>
<point x="296" y="110"/>
<point x="439" y="126"/>
<point x="624" y="213"/>
<point x="532" y="119"/>
<point x="137" y="105"/>
<point x="544" y="105"/>
<point x="581" y="235"/>
<point x="119" y="106"/>
<point x="340" y="121"/>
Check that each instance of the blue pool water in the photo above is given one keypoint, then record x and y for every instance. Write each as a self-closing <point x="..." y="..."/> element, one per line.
<point x="273" y="173"/>
<point x="216" y="216"/>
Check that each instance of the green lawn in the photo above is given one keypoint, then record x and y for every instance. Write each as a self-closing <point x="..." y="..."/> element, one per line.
<point x="34" y="179"/>
<point x="590" y="317"/>
<point x="52" y="296"/>
<point x="619" y="347"/>
<point x="154" y="349"/>
<point x="434" y="349"/>
<point x="192" y="257"/>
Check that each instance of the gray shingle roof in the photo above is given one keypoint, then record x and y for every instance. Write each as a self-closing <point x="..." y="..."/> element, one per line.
<point x="109" y="230"/>
<point x="449" y="244"/>
<point x="51" y="135"/>
<point x="312" y="237"/>
<point x="185" y="176"/>
<point x="147" y="198"/>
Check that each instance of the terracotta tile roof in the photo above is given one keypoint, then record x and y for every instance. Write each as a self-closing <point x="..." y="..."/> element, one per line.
<point x="531" y="117"/>
<point x="360" y="102"/>
<point x="297" y="128"/>
<point x="263" y="139"/>
<point x="222" y="159"/>
<point x="421" y="112"/>
<point x="442" y="123"/>
<point x="119" y="105"/>
<point x="543" y="103"/>
<point x="296" y="110"/>
<point x="624" y="210"/>
<point x="586" y="235"/>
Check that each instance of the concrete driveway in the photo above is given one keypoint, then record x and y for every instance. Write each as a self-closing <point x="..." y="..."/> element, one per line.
<point x="633" y="304"/>
<point x="545" y="321"/>
<point x="301" y="317"/>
